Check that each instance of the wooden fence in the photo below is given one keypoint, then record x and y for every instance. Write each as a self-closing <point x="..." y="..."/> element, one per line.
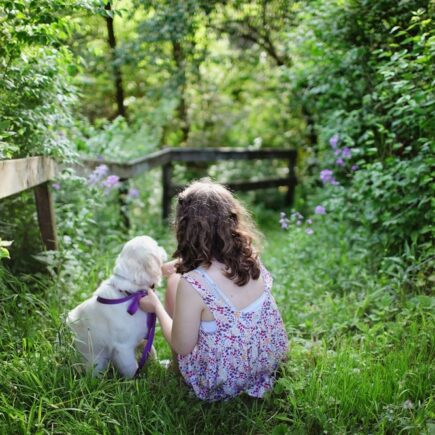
<point x="35" y="172"/>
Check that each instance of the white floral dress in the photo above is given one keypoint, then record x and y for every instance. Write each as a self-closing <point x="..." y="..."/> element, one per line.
<point x="243" y="352"/>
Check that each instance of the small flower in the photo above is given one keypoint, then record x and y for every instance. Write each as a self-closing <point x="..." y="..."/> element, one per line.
<point x="339" y="162"/>
<point x="296" y="216"/>
<point x="284" y="221"/>
<point x="299" y="222"/>
<point x="407" y="404"/>
<point x="337" y="152"/>
<point x="96" y="176"/>
<point x="110" y="183"/>
<point x="67" y="240"/>
<point x="309" y="221"/>
<point x="284" y="225"/>
<point x="56" y="186"/>
<point x="327" y="176"/>
<point x="320" y="210"/>
<point x="346" y="153"/>
<point x="101" y="170"/>
<point x="309" y="231"/>
<point x="333" y="141"/>
<point x="354" y="168"/>
<point x="133" y="193"/>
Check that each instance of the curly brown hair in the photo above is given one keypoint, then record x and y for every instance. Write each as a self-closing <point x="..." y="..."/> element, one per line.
<point x="211" y="224"/>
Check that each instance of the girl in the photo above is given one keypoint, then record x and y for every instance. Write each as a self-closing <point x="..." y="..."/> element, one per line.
<point x="220" y="317"/>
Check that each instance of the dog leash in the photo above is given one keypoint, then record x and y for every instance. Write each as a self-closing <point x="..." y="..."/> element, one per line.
<point x="132" y="308"/>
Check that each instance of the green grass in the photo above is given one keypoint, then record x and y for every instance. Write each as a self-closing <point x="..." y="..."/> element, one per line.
<point x="361" y="358"/>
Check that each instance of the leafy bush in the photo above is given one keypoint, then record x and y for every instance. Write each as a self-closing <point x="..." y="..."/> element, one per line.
<point x="36" y="93"/>
<point x="365" y="73"/>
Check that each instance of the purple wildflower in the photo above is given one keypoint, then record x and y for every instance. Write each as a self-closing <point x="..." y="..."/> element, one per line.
<point x="101" y="170"/>
<point x="354" y="167"/>
<point x="298" y="222"/>
<point x="296" y="216"/>
<point x="327" y="176"/>
<point x="56" y="186"/>
<point x="346" y="153"/>
<point x="110" y="182"/>
<point x="339" y="162"/>
<point x="309" y="221"/>
<point x="309" y="231"/>
<point x="284" y="221"/>
<point x="320" y="210"/>
<point x="333" y="141"/>
<point x="96" y="176"/>
<point x="337" y="152"/>
<point x="133" y="193"/>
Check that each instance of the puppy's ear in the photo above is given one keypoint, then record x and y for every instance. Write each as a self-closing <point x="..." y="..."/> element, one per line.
<point x="152" y="269"/>
<point x="141" y="277"/>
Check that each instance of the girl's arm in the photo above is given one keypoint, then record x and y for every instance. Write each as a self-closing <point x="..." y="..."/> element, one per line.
<point x="181" y="332"/>
<point x="187" y="318"/>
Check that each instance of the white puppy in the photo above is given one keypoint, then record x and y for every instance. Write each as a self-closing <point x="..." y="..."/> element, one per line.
<point x="108" y="333"/>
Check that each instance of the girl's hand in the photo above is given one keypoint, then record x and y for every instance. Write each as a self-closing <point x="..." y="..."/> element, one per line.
<point x="149" y="302"/>
<point x="168" y="269"/>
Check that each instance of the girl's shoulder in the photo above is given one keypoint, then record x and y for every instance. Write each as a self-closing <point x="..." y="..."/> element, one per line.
<point x="193" y="278"/>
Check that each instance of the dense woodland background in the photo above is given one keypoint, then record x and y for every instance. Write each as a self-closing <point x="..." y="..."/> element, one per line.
<point x="348" y="83"/>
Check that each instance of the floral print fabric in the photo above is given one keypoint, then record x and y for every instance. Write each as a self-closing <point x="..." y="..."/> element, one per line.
<point x="244" y="352"/>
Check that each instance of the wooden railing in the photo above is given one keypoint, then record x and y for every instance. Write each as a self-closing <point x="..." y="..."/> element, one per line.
<point x="33" y="173"/>
<point x="36" y="172"/>
<point x="167" y="157"/>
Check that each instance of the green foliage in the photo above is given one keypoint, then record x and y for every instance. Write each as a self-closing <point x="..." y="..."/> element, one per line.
<point x="366" y="72"/>
<point x="186" y="73"/>
<point x="36" y="68"/>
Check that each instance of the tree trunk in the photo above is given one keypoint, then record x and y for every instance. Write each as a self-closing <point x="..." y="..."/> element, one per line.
<point x="119" y="88"/>
<point x="178" y="54"/>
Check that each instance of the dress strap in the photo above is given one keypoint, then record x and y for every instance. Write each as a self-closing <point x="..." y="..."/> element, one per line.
<point x="267" y="277"/>
<point x="215" y="287"/>
<point x="207" y="296"/>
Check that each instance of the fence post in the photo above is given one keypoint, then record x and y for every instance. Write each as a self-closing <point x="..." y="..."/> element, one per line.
<point x="167" y="188"/>
<point x="292" y="181"/>
<point x="46" y="216"/>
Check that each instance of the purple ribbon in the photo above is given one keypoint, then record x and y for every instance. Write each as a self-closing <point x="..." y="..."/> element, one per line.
<point x="132" y="308"/>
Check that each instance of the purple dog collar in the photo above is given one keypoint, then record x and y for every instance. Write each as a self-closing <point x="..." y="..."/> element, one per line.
<point x="132" y="308"/>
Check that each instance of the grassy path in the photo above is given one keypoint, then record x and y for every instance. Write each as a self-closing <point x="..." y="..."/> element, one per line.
<point x="360" y="360"/>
